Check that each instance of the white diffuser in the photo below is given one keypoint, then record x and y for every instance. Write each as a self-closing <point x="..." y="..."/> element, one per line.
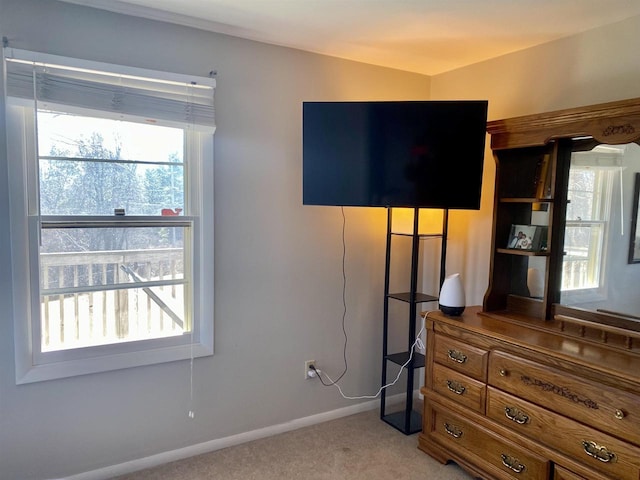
<point x="535" y="283"/>
<point x="452" y="301"/>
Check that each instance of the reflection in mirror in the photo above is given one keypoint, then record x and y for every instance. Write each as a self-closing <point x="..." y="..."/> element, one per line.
<point x="596" y="274"/>
<point x="634" y="246"/>
<point x="537" y="265"/>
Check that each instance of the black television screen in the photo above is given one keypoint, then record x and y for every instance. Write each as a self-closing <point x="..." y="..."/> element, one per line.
<point x="394" y="154"/>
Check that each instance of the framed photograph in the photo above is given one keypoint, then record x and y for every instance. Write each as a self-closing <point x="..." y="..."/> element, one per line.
<point x="528" y="237"/>
<point x="634" y="242"/>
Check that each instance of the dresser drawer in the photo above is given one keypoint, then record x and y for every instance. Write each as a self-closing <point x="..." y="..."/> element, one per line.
<point x="459" y="388"/>
<point x="560" y="473"/>
<point x="589" y="446"/>
<point x="490" y="451"/>
<point x="606" y="408"/>
<point x="462" y="357"/>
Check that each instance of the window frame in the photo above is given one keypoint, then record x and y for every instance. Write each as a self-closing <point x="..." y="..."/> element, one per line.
<point x="33" y="365"/>
<point x="602" y="198"/>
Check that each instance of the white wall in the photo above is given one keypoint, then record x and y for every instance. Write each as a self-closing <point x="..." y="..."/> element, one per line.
<point x="597" y="66"/>
<point x="278" y="263"/>
<point x="278" y="279"/>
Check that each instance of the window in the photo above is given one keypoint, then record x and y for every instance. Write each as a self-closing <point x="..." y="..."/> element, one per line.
<point x="587" y="223"/>
<point x="112" y="215"/>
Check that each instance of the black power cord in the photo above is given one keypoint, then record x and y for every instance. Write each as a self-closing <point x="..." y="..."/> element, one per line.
<point x="334" y="383"/>
<point x="344" y="308"/>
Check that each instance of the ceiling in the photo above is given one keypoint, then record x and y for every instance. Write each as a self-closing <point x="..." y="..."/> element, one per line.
<point x="423" y="36"/>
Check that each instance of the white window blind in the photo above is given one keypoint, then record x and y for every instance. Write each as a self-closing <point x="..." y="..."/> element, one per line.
<point x="166" y="97"/>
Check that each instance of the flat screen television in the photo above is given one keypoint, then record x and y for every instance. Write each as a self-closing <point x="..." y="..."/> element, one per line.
<point x="426" y="154"/>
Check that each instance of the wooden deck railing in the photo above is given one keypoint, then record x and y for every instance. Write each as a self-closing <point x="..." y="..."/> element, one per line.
<point x="575" y="273"/>
<point x="94" y="298"/>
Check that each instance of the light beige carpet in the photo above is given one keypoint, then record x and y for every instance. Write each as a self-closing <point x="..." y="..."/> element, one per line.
<point x="356" y="447"/>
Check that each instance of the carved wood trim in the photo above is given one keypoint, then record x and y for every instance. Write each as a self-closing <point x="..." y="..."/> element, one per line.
<point x="560" y="390"/>
<point x="611" y="123"/>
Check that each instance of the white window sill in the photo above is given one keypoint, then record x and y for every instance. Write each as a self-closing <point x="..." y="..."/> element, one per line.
<point x="27" y="372"/>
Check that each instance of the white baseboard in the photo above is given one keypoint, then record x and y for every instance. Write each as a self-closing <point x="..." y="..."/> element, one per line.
<point x="212" y="445"/>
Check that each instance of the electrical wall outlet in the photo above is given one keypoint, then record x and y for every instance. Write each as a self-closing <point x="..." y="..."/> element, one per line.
<point x="307" y="369"/>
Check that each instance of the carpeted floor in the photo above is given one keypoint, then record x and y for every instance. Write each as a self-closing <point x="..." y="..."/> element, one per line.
<point x="356" y="447"/>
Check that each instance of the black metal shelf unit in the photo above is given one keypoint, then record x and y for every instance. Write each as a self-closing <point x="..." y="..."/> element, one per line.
<point x="407" y="420"/>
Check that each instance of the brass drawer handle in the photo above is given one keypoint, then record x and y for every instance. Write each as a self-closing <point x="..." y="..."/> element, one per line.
<point x="512" y="413"/>
<point x="512" y="463"/>
<point x="457" y="356"/>
<point x="620" y="414"/>
<point x="599" y="452"/>
<point x="503" y="372"/>
<point x="452" y="430"/>
<point x="456" y="387"/>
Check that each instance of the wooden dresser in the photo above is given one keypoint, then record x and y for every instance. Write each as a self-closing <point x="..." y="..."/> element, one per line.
<point x="507" y="397"/>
